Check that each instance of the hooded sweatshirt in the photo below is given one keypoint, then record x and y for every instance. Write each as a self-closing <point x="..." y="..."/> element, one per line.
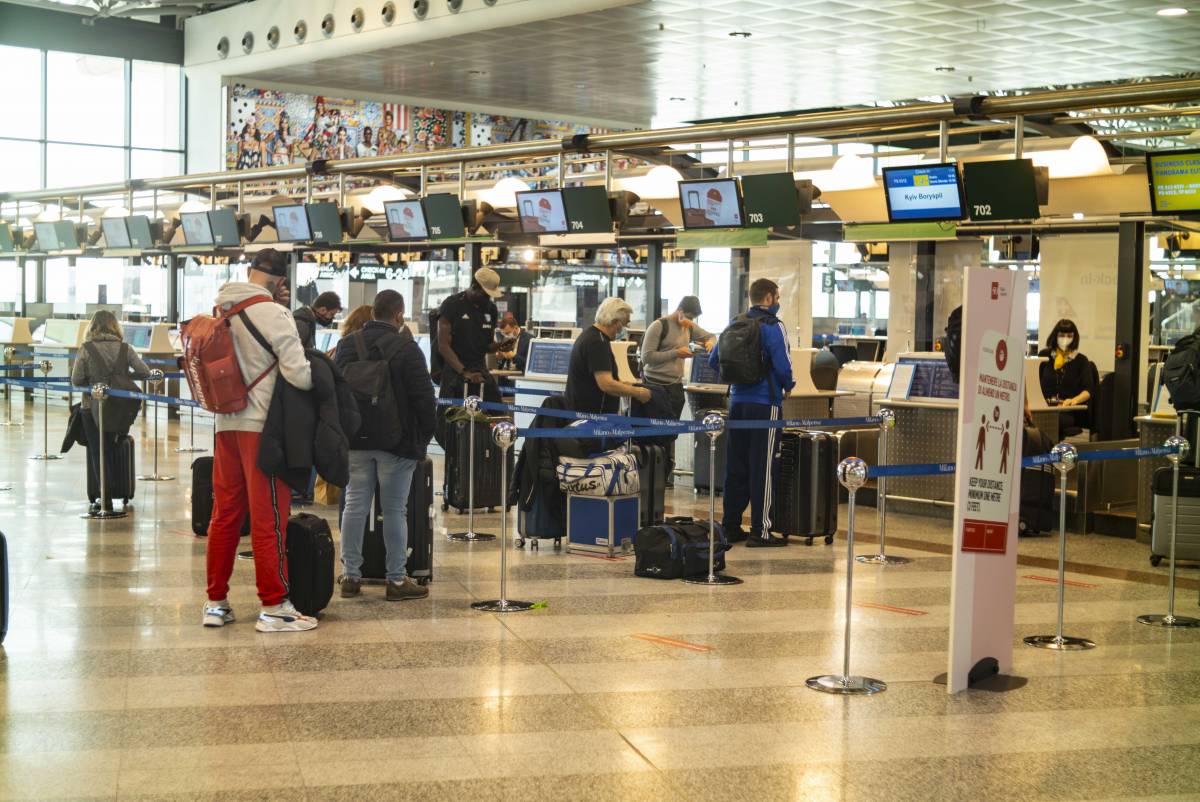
<point x="277" y="327"/>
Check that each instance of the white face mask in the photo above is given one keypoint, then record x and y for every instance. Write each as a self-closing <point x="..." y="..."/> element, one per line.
<point x="1064" y="343"/>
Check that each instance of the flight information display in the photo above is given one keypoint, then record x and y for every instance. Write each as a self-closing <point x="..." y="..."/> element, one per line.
<point x="47" y="238"/>
<point x="711" y="204"/>
<point x="140" y="236"/>
<point x="1174" y="181"/>
<point x="444" y="216"/>
<point x="115" y="233"/>
<point x="542" y="212"/>
<point x="291" y="223"/>
<point x="324" y="222"/>
<point x="923" y="193"/>
<point x="6" y="240"/>
<point x="224" y="226"/>
<point x="1005" y="189"/>
<point x="406" y="220"/>
<point x="771" y="199"/>
<point x="931" y="379"/>
<point x="196" y="228"/>
<point x="549" y="358"/>
<point x="588" y="211"/>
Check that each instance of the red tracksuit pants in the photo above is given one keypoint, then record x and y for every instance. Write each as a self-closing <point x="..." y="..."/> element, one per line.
<point x="239" y="486"/>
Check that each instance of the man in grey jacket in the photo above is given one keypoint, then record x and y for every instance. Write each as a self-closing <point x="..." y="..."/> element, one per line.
<point x="665" y="346"/>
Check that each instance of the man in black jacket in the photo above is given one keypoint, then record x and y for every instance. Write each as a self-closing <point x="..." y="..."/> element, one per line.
<point x="321" y="314"/>
<point x="389" y="443"/>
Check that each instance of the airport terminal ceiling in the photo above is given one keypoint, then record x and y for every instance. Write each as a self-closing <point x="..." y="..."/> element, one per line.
<point x="658" y="62"/>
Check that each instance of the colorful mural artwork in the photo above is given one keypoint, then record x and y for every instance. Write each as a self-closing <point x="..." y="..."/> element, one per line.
<point x="270" y="128"/>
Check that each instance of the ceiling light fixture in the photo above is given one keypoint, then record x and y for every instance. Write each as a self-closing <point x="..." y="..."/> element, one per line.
<point x="476" y="72"/>
<point x="661" y="182"/>
<point x="679" y="99"/>
<point x="741" y="34"/>
<point x="1171" y="11"/>
<point x="944" y="68"/>
<point x="529" y="254"/>
<point x="504" y="194"/>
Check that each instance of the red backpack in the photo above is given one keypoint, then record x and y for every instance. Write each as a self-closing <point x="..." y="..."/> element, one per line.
<point x="210" y="363"/>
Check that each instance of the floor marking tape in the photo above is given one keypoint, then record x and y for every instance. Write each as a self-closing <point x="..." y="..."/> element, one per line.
<point x="891" y="609"/>
<point x="682" y="644"/>
<point x="1053" y="580"/>
<point x="597" y="557"/>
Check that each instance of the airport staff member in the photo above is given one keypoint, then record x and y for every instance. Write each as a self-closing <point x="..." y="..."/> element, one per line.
<point x="467" y="334"/>
<point x="752" y="456"/>
<point x="512" y="332"/>
<point x="665" y="346"/>
<point x="324" y="309"/>
<point x="1066" y="376"/>
<point x="592" y="379"/>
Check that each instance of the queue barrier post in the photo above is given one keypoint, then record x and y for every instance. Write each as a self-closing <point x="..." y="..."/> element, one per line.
<point x="712" y="578"/>
<point x="1180" y="448"/>
<point x="504" y="433"/>
<point x="1065" y="456"/>
<point x="156" y="379"/>
<point x="852" y="473"/>
<point x="192" y="448"/>
<point x="9" y="352"/>
<point x="45" y="367"/>
<point x="887" y="422"/>
<point x="471" y="404"/>
<point x="99" y="393"/>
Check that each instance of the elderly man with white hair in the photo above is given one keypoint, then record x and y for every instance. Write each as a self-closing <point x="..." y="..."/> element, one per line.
<point x="592" y="383"/>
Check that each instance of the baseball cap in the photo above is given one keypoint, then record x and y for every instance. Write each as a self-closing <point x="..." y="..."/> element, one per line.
<point x="271" y="262"/>
<point x="690" y="306"/>
<point x="489" y="281"/>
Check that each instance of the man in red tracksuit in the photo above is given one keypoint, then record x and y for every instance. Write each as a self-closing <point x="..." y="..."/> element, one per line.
<point x="267" y="344"/>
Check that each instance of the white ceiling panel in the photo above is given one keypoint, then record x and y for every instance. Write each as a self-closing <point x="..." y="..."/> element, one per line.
<point x="663" y="61"/>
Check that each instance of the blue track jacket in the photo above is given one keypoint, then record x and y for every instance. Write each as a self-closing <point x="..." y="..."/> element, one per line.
<point x="769" y="391"/>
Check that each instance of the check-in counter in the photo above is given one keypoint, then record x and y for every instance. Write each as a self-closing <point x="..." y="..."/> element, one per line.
<point x="1046" y="418"/>
<point x="60" y="341"/>
<point x="805" y="400"/>
<point x="15" y="333"/>
<point x="861" y="384"/>
<point x="705" y="392"/>
<point x="153" y="343"/>
<point x="545" y="371"/>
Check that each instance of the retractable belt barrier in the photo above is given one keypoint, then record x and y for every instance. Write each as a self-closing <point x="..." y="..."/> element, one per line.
<point x="47" y="383"/>
<point x="936" y="468"/>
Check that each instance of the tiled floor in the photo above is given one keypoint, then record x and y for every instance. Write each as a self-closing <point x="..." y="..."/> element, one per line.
<point x="112" y="690"/>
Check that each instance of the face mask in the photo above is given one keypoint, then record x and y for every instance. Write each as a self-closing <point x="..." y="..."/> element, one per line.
<point x="774" y="308"/>
<point x="1064" y="343"/>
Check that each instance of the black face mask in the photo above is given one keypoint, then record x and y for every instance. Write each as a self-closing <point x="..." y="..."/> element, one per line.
<point x="324" y="321"/>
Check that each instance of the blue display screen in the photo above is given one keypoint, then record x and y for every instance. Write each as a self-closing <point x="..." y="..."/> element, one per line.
<point x="552" y="359"/>
<point x="931" y="379"/>
<point x="930" y="192"/>
<point x="702" y="373"/>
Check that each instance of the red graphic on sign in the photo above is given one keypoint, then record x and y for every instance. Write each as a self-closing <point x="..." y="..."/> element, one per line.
<point x="995" y="290"/>
<point x="1001" y="354"/>
<point x="985" y="536"/>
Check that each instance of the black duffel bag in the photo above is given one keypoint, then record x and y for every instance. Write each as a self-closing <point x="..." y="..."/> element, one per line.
<point x="676" y="548"/>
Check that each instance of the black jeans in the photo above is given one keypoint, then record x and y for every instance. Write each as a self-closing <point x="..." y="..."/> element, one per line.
<point x="676" y="398"/>
<point x="93" y="451"/>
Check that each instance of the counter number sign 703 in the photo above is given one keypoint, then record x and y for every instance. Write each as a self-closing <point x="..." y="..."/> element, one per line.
<point x="755" y="217"/>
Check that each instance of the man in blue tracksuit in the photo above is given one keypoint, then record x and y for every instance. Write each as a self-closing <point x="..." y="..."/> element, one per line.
<point x="752" y="455"/>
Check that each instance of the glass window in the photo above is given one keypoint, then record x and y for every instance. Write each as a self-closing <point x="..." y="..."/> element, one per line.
<point x="677" y="281"/>
<point x="882" y="305"/>
<point x="22" y="163"/>
<point x="22" y="93"/>
<point x="85" y="99"/>
<point x="154" y="101"/>
<point x="155" y="163"/>
<point x="845" y="304"/>
<point x="77" y="165"/>
<point x="199" y="284"/>
<point x="715" y="274"/>
<point x="10" y="285"/>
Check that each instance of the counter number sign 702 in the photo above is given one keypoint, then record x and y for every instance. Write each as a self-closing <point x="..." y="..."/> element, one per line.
<point x="982" y="210"/>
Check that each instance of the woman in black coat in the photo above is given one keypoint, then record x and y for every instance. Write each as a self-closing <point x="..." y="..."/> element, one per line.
<point x="1067" y="376"/>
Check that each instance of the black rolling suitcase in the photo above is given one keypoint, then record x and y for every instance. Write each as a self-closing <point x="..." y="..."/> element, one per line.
<point x="420" y="531"/>
<point x="652" y="477"/>
<point x="202" y="497"/>
<point x="805" y="502"/>
<point x="310" y="556"/>
<point x="1037" y="510"/>
<point x="123" y="481"/>
<point x="455" y="490"/>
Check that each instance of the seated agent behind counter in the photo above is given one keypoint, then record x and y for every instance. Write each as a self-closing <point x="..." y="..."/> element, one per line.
<point x="1067" y="375"/>
<point x="467" y="334"/>
<point x="592" y="379"/>
<point x="511" y="332"/>
<point x="324" y="309"/>
<point x="752" y="456"/>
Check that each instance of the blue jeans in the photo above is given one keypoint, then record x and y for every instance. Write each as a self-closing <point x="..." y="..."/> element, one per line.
<point x="394" y="475"/>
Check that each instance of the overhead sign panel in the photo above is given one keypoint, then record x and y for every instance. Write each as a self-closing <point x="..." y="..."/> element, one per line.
<point x="924" y="192"/>
<point x="771" y="200"/>
<point x="1001" y="190"/>
<point x="1174" y="181"/>
<point x="444" y="216"/>
<point x="587" y="210"/>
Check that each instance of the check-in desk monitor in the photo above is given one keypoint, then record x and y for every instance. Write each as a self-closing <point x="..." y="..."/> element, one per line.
<point x="149" y="338"/>
<point x="549" y="360"/>
<point x="702" y="378"/>
<point x="137" y="335"/>
<point x="923" y="376"/>
<point x="64" y="333"/>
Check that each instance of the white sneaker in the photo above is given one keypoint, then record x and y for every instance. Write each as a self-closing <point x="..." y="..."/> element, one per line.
<point x="284" y="618"/>
<point x="217" y="614"/>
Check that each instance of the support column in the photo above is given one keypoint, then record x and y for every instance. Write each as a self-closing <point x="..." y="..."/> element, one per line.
<point x="1130" y="346"/>
<point x="739" y="283"/>
<point x="654" y="258"/>
<point x="788" y="264"/>
<point x="925" y="330"/>
<point x="173" y="284"/>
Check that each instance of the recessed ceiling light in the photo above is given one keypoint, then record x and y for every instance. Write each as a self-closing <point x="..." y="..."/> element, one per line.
<point x="944" y="68"/>
<point x="679" y="98"/>
<point x="741" y="34"/>
<point x="1171" y="11"/>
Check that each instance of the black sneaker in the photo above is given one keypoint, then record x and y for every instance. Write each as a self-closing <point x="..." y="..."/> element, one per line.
<point x="405" y="590"/>
<point x="350" y="587"/>
<point x="734" y="534"/>
<point x="765" y="541"/>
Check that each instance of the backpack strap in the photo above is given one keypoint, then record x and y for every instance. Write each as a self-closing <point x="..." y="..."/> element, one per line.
<point x="360" y="345"/>
<point x="239" y="309"/>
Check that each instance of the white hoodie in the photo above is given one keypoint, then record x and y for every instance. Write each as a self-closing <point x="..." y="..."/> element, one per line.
<point x="277" y="327"/>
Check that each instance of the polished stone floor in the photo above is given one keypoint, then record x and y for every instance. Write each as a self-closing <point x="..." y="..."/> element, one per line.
<point x="618" y="689"/>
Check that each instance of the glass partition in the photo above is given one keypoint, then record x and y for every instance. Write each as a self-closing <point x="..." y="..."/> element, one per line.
<point x="74" y="283"/>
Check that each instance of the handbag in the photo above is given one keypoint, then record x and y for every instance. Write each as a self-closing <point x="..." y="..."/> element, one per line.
<point x="611" y="474"/>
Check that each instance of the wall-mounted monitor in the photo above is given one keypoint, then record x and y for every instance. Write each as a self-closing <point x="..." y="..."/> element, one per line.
<point x="324" y="222"/>
<point x="406" y="220"/>
<point x="224" y="225"/>
<point x="67" y="233"/>
<point x="140" y="236"/>
<point x="6" y="240"/>
<point x="542" y="212"/>
<point x="47" y="236"/>
<point x="588" y="211"/>
<point x="444" y="216"/>
<point x="548" y="358"/>
<point x="1001" y="190"/>
<point x="116" y="235"/>
<point x="137" y="335"/>
<point x="1174" y="181"/>
<point x="771" y="199"/>
<point x="291" y="223"/>
<point x="923" y="193"/>
<point x="196" y="228"/>
<point x="702" y="372"/>
<point x="711" y="203"/>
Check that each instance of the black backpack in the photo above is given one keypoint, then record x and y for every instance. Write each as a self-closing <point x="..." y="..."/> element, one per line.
<point x="1181" y="373"/>
<point x="370" y="379"/>
<point x="740" y="350"/>
<point x="119" y="413"/>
